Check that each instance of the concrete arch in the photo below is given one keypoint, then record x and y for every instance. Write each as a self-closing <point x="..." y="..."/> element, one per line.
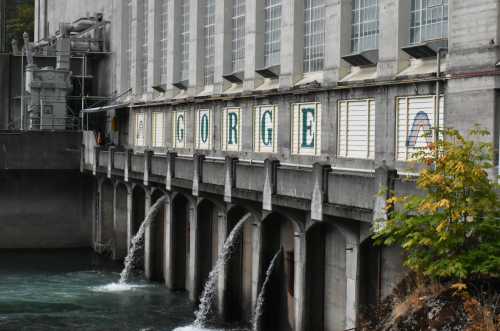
<point x="239" y="273"/>
<point x="279" y="232"/>
<point x="325" y="278"/>
<point x="120" y="219"/>
<point x="105" y="231"/>
<point x="138" y="212"/>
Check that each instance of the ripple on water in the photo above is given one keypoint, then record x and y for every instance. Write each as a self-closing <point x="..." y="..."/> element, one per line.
<point x="117" y="287"/>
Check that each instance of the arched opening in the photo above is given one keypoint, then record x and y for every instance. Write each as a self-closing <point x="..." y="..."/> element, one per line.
<point x="325" y="278"/>
<point x="207" y="240"/>
<point x="180" y="242"/>
<point x="370" y="269"/>
<point x="279" y="309"/>
<point x="138" y="214"/>
<point x="238" y="292"/>
<point x="121" y="221"/>
<point x="105" y="237"/>
<point x="157" y="240"/>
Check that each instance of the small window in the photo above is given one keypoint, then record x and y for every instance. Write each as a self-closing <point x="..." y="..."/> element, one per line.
<point x="265" y="129"/>
<point x="140" y="129"/>
<point x="306" y="129"/>
<point x="157" y="129"/>
<point x="238" y="39"/>
<point x="164" y="39"/>
<point x="209" y="37"/>
<point x="272" y="32"/>
<point x="184" y="40"/>
<point x="231" y="129"/>
<point x="416" y="119"/>
<point x="356" y="129"/>
<point x="428" y="20"/>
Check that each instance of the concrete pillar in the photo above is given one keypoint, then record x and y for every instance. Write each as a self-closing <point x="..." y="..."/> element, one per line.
<point x="128" y="164"/>
<point x="384" y="182"/>
<point x="173" y="51"/>
<point x="394" y="34"/>
<point x="130" y="215"/>
<point x="148" y="155"/>
<point x="82" y="158"/>
<point x="168" y="270"/>
<point x="95" y="163"/>
<point x="270" y="168"/>
<point x="230" y="177"/>
<point x="256" y="262"/>
<point x="352" y="260"/>
<point x="222" y="281"/>
<point x="254" y="44"/>
<point x="170" y="159"/>
<point x="148" y="235"/>
<point x="292" y="42"/>
<point x="198" y="173"/>
<point x="337" y="39"/>
<point x="111" y="160"/>
<point x="320" y="190"/>
<point x="194" y="291"/>
<point x="114" y="253"/>
<point x="300" y="281"/>
<point x="222" y="40"/>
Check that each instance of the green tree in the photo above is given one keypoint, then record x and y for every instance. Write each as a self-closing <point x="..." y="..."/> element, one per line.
<point x="452" y="229"/>
<point x="20" y="19"/>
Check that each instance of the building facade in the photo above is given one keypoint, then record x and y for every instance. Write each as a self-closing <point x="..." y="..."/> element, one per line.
<point x="294" y="112"/>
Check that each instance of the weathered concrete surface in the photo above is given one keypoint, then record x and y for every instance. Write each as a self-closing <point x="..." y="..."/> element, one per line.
<point x="36" y="150"/>
<point x="45" y="209"/>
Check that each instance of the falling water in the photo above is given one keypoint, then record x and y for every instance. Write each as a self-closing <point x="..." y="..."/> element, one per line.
<point x="207" y="299"/>
<point x="138" y="239"/>
<point x="261" y="298"/>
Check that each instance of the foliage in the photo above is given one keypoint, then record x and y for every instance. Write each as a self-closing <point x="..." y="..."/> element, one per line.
<point x="452" y="229"/>
<point x="20" y="19"/>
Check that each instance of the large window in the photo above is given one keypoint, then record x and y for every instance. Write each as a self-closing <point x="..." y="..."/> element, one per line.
<point x="417" y="116"/>
<point x="157" y="129"/>
<point x="429" y="20"/>
<point x="364" y="25"/>
<point x="272" y="32"/>
<point x="356" y="129"/>
<point x="184" y="40"/>
<point x="314" y="35"/>
<point x="238" y="39"/>
<point x="128" y="44"/>
<point x="144" y="9"/>
<point x="164" y="39"/>
<point x="209" y="33"/>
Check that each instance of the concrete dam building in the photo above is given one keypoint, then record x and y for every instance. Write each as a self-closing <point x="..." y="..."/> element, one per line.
<point x="295" y="112"/>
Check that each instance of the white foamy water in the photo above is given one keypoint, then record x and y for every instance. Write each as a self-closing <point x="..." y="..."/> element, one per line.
<point x="117" y="287"/>
<point x="138" y="239"/>
<point x="259" y="309"/>
<point x="207" y="299"/>
<point x="192" y="328"/>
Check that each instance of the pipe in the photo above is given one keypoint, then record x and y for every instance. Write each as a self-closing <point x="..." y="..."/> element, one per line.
<point x="438" y="90"/>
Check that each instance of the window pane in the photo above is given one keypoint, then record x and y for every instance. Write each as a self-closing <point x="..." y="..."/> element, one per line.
<point x="272" y="32"/>
<point x="428" y="20"/>
<point x="314" y="35"/>
<point x="364" y="26"/>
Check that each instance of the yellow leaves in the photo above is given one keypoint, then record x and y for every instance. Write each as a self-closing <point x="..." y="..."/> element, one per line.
<point x="444" y="203"/>
<point x="460" y="167"/>
<point x="459" y="287"/>
<point x="432" y="206"/>
<point x="441" y="227"/>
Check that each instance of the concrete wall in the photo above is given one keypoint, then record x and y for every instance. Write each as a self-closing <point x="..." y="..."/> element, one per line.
<point x="45" y="209"/>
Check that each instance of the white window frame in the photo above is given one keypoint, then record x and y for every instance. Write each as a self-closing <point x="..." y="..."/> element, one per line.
<point x="349" y="133"/>
<point x="238" y="35"/>
<point x="184" y="40"/>
<point x="272" y="32"/>
<point x="258" y="144"/>
<point x="423" y="20"/>
<point x="364" y="34"/>
<point x="157" y="129"/>
<point x="297" y="129"/>
<point x="175" y="141"/>
<point x="200" y="145"/>
<point x="209" y="41"/>
<point x="314" y="35"/>
<point x="139" y="132"/>
<point x="403" y="152"/>
<point x="226" y="146"/>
